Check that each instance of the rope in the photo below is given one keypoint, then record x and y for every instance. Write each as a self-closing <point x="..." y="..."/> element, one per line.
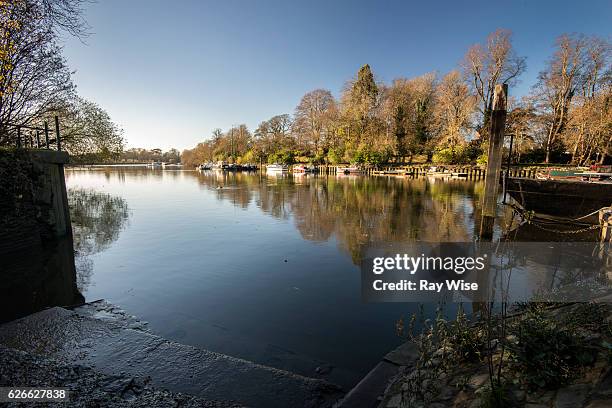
<point x="588" y="215"/>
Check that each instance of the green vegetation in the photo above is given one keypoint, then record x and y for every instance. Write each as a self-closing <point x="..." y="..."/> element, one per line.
<point x="543" y="348"/>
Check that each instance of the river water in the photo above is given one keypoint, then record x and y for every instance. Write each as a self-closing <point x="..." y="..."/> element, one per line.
<point x="259" y="267"/>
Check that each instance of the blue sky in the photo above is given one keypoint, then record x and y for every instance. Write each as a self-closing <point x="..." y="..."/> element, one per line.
<point x="169" y="72"/>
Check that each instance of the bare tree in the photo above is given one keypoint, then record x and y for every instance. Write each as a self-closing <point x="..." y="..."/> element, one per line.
<point x="455" y="105"/>
<point x="34" y="77"/>
<point x="589" y="125"/>
<point x="312" y="119"/>
<point x="485" y="65"/>
<point x="557" y="85"/>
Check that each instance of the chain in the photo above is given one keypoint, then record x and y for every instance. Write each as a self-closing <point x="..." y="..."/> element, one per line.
<point x="589" y="228"/>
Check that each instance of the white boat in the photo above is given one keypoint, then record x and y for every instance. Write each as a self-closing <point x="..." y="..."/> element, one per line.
<point x="154" y="165"/>
<point x="172" y="165"/>
<point x="438" y="171"/>
<point x="205" y="166"/>
<point x="277" y="168"/>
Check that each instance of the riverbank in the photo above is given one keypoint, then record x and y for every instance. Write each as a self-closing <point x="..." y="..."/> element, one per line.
<point x="552" y="357"/>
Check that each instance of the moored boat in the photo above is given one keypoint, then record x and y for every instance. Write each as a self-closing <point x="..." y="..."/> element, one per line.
<point x="438" y="171"/>
<point x="301" y="168"/>
<point x="172" y="165"/>
<point x="561" y="198"/>
<point x="277" y="168"/>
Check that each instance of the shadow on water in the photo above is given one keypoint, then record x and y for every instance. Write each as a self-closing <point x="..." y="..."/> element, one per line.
<point x="37" y="277"/>
<point x="37" y="274"/>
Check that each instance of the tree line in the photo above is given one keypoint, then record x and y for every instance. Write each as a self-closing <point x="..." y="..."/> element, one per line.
<point x="442" y="118"/>
<point x="36" y="82"/>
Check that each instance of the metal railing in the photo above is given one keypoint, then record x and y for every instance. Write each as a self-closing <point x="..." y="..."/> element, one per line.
<point x="30" y="136"/>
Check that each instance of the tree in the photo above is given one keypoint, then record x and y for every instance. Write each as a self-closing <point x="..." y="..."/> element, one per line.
<point x="313" y="120"/>
<point x="407" y="110"/>
<point x="486" y="65"/>
<point x="557" y="85"/>
<point x="34" y="77"/>
<point x="273" y="135"/>
<point x="455" y="105"/>
<point x="363" y="129"/>
<point x="589" y="126"/>
<point x="88" y="133"/>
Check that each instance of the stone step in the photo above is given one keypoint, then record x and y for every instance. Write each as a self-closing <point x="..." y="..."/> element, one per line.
<point x="117" y="347"/>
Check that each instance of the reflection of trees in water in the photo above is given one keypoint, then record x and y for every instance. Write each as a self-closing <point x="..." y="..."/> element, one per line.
<point x="359" y="211"/>
<point x="97" y="220"/>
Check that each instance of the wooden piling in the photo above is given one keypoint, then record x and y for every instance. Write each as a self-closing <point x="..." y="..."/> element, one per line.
<point x="605" y="220"/>
<point x="493" y="172"/>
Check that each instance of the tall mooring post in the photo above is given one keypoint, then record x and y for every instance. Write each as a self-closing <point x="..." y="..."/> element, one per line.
<point x="494" y="162"/>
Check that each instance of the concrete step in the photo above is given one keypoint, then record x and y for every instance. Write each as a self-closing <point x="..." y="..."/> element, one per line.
<point x="116" y="346"/>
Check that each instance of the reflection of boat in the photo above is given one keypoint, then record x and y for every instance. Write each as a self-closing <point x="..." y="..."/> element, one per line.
<point x="301" y="168"/>
<point x="349" y="170"/>
<point x="172" y="165"/>
<point x="277" y="168"/>
<point x="220" y="165"/>
<point x="562" y="198"/>
<point x="438" y="171"/>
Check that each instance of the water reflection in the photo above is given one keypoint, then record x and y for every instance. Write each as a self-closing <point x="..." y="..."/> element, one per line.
<point x="358" y="211"/>
<point x="97" y="220"/>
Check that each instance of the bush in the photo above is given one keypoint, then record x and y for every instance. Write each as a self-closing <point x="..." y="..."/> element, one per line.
<point x="282" y="157"/>
<point x="546" y="352"/>
<point x="333" y="156"/>
<point x="455" y="155"/>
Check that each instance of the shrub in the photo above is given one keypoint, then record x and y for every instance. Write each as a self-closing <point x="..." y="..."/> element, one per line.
<point x="546" y="352"/>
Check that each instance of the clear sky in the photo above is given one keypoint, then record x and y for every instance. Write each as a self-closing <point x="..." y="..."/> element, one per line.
<point x="169" y="72"/>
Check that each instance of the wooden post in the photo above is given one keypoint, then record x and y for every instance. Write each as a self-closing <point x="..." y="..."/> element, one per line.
<point x="46" y="134"/>
<point x="605" y="220"/>
<point x="493" y="172"/>
<point x="57" y="134"/>
<point x="37" y="140"/>
<point x="509" y="165"/>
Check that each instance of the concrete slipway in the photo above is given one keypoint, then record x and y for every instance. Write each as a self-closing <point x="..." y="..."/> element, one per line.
<point x="105" y="339"/>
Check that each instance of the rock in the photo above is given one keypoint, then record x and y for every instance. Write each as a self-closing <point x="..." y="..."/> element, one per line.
<point x="478" y="380"/>
<point x="324" y="369"/>
<point x="394" y="401"/>
<point x="446" y="393"/>
<point x="572" y="396"/>
<point x="535" y="406"/>
<point x="442" y="351"/>
<point x="475" y="404"/>
<point x="520" y="395"/>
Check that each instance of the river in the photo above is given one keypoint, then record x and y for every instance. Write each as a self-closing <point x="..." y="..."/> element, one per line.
<point x="259" y="267"/>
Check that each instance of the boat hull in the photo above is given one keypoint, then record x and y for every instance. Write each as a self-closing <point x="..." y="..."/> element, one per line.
<point x="560" y="198"/>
